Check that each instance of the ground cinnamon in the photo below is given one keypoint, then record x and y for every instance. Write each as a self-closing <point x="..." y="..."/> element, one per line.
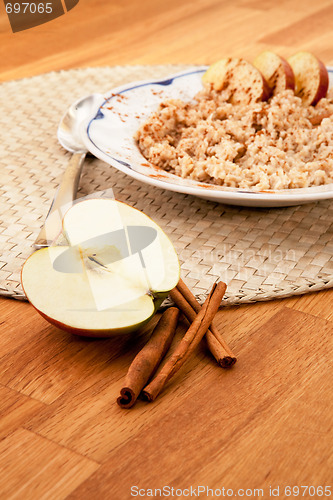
<point x="188" y="343"/>
<point x="188" y="304"/>
<point x="148" y="359"/>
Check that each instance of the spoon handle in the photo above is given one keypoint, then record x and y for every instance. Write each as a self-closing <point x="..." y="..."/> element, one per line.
<point x="63" y="199"/>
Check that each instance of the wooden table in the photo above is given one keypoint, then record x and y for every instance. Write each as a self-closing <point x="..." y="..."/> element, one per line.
<point x="267" y="422"/>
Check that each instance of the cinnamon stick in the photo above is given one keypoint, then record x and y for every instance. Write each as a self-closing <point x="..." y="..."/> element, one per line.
<point x="188" y="304"/>
<point x="148" y="359"/>
<point x="188" y="343"/>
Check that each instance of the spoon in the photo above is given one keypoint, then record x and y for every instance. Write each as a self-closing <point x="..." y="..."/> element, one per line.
<point x="70" y="138"/>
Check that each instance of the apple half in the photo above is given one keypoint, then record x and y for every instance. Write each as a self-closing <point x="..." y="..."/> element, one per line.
<point x="111" y="277"/>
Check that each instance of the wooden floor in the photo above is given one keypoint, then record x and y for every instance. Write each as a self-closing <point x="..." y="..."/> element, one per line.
<point x="267" y="422"/>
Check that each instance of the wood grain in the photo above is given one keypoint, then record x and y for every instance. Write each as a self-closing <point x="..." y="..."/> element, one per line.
<point x="267" y="421"/>
<point x="313" y="24"/>
<point x="277" y="399"/>
<point x="153" y="32"/>
<point x="15" y="409"/>
<point x="44" y="469"/>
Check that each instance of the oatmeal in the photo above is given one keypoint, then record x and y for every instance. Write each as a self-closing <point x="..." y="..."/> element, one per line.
<point x="278" y="144"/>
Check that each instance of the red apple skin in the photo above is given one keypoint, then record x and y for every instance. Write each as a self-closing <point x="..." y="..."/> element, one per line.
<point x="93" y="333"/>
<point x="266" y="91"/>
<point x="99" y="333"/>
<point x="266" y="61"/>
<point x="323" y="83"/>
<point x="288" y="71"/>
<point x="96" y="333"/>
<point x="317" y="88"/>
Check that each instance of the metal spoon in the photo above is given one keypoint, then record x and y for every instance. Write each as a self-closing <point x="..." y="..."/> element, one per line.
<point x="70" y="138"/>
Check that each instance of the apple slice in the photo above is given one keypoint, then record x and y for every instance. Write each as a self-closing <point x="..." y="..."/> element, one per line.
<point x="242" y="79"/>
<point x="112" y="276"/>
<point x="311" y="77"/>
<point x="276" y="70"/>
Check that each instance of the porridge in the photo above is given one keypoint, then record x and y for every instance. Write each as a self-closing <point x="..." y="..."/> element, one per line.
<point x="281" y="143"/>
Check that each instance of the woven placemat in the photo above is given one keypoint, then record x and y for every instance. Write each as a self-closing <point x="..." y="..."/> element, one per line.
<point x="260" y="253"/>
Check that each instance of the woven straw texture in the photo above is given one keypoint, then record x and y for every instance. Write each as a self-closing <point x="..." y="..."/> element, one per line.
<point x="260" y="253"/>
